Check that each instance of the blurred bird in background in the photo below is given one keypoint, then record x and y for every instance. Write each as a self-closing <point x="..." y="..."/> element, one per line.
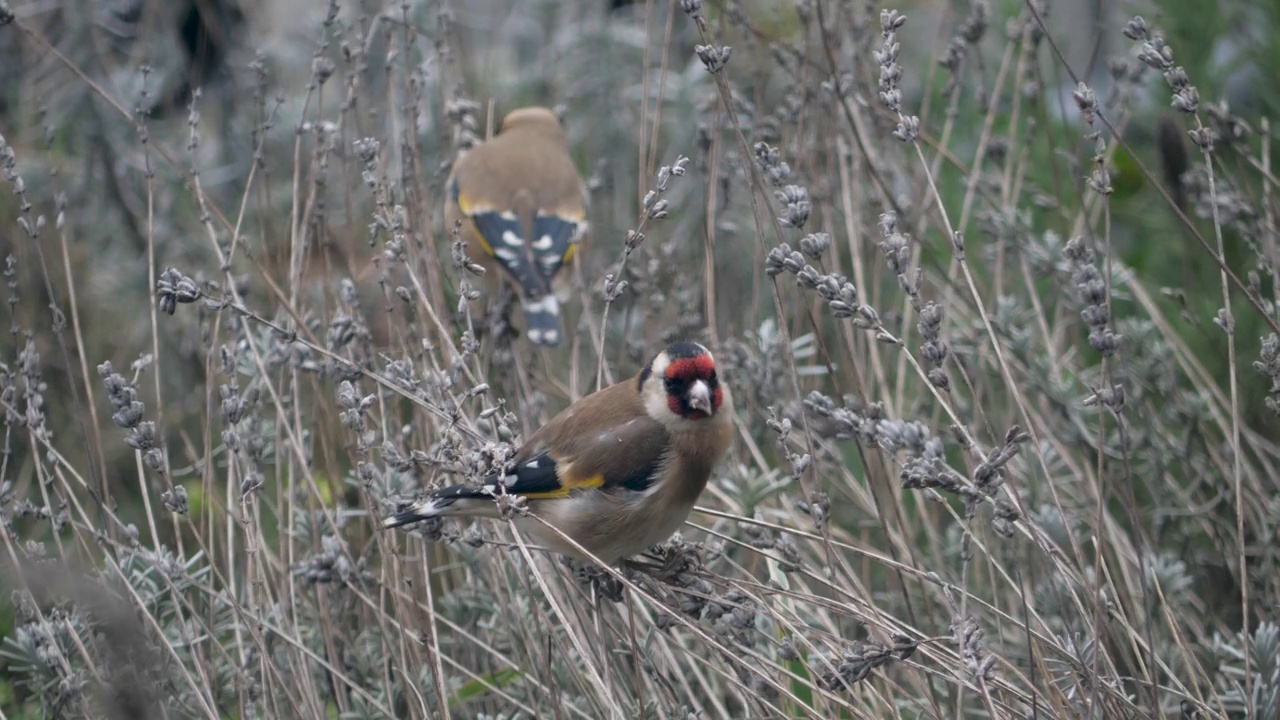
<point x="522" y="207"/>
<point x="619" y="470"/>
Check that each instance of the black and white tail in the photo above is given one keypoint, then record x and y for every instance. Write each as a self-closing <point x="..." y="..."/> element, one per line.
<point x="445" y="502"/>
<point x="542" y="320"/>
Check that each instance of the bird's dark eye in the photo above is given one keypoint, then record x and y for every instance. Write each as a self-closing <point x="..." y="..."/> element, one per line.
<point x="675" y="386"/>
<point x="712" y="377"/>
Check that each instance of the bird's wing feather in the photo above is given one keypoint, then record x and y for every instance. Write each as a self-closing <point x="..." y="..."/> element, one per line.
<point x="553" y="241"/>
<point x="541" y="477"/>
<point x="509" y="183"/>
<point x="606" y="442"/>
<point x="544" y="477"/>
<point x="532" y="264"/>
<point x="625" y="457"/>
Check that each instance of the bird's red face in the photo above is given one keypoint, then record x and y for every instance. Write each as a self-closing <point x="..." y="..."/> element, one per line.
<point x="693" y="390"/>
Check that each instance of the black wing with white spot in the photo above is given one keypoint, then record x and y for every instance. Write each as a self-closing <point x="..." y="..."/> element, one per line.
<point x="535" y="478"/>
<point x="553" y="241"/>
<point x="502" y="233"/>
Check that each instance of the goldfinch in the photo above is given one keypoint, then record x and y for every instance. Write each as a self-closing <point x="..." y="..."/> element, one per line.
<point x="619" y="470"/>
<point x="522" y="206"/>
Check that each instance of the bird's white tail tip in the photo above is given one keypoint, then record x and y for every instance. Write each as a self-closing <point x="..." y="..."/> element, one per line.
<point x="542" y="320"/>
<point x="424" y="510"/>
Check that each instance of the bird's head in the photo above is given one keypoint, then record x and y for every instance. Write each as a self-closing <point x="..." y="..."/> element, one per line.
<point x="681" y="384"/>
<point x="539" y="119"/>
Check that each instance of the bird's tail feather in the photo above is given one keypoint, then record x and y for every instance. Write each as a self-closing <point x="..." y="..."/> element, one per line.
<point x="424" y="510"/>
<point x="445" y="502"/>
<point x="542" y="320"/>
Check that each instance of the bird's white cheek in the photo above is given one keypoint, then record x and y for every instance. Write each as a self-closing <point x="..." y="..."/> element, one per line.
<point x="655" y="405"/>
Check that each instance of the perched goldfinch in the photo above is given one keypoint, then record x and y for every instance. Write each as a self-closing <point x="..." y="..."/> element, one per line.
<point x="619" y="470"/>
<point x="523" y="209"/>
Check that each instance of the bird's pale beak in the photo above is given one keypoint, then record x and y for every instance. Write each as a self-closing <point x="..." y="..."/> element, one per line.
<point x="700" y="396"/>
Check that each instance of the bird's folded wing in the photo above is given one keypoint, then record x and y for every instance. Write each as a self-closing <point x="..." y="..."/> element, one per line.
<point x="554" y="237"/>
<point x="611" y="447"/>
<point x="531" y="263"/>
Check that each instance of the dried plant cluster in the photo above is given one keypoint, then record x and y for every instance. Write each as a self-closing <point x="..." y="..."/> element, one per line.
<point x="1002" y="329"/>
